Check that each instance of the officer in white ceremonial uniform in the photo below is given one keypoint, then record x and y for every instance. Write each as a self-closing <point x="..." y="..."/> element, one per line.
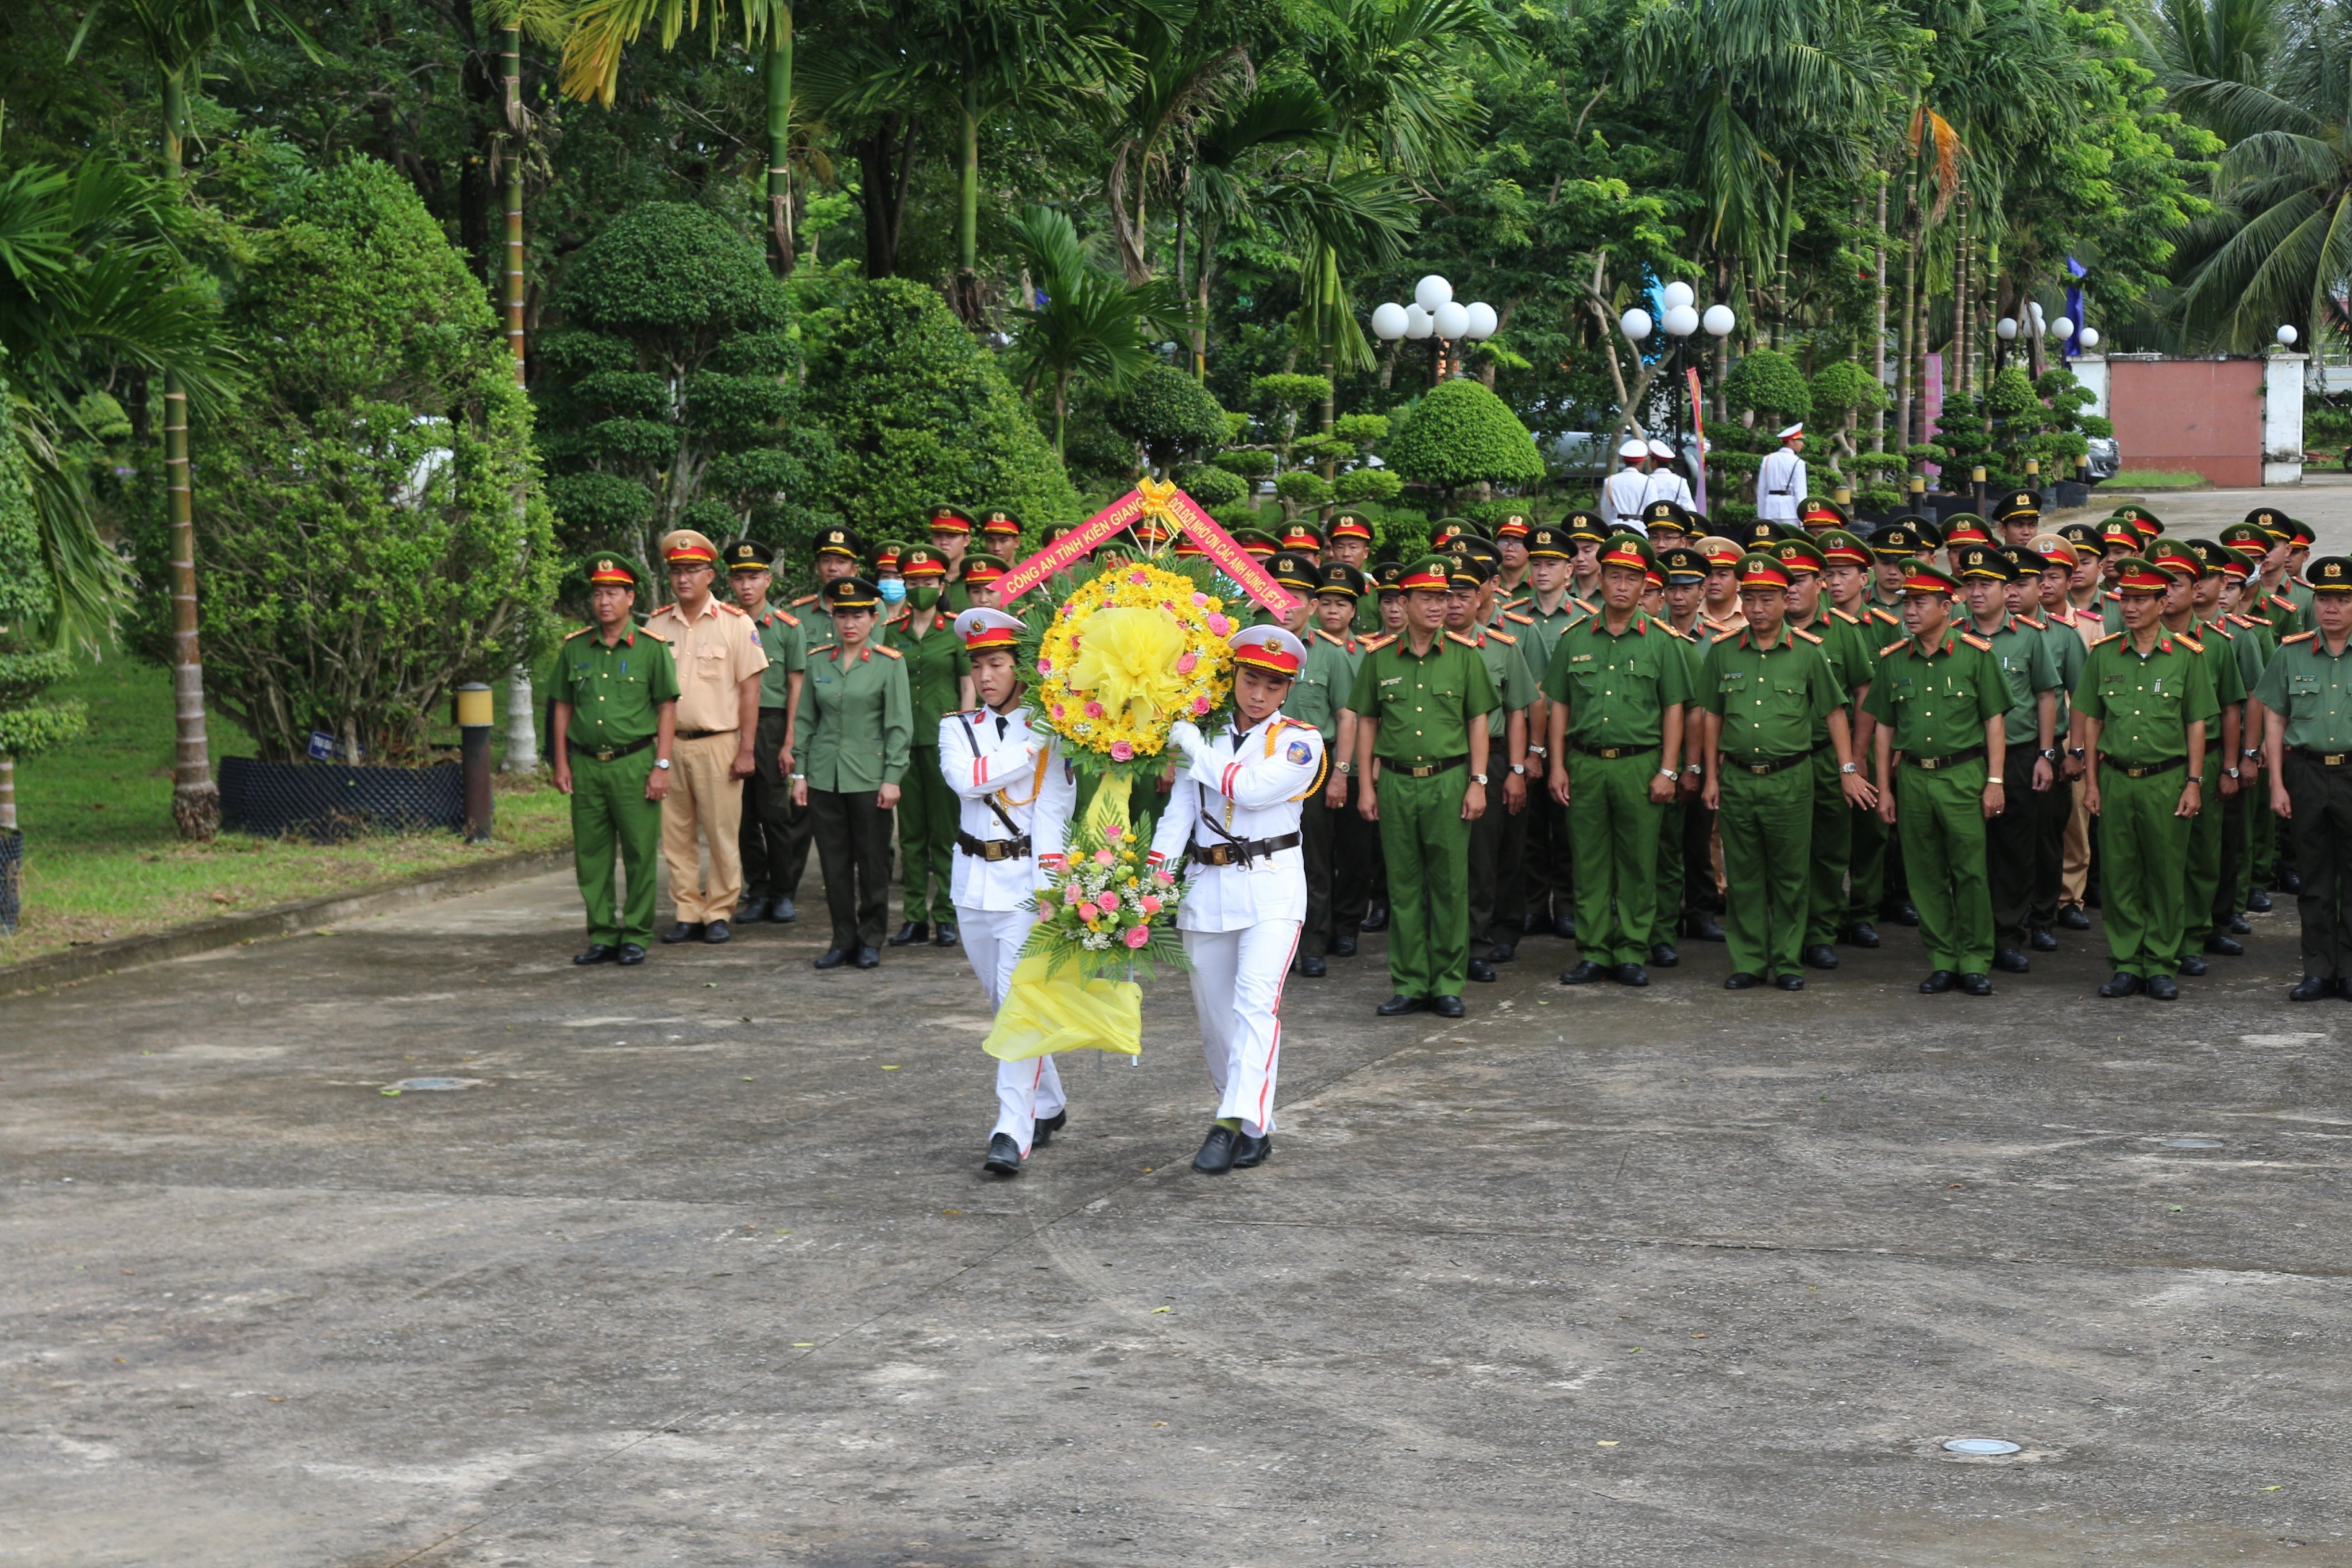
<point x="1666" y="481"/>
<point x="1233" y="821"/>
<point x="1780" y="479"/>
<point x="1624" y="492"/>
<point x="995" y="765"/>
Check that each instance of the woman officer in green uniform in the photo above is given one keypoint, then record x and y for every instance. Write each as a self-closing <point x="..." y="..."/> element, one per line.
<point x="854" y="730"/>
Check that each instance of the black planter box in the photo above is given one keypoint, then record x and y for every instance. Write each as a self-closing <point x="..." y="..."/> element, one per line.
<point x="332" y="801"/>
<point x="12" y="881"/>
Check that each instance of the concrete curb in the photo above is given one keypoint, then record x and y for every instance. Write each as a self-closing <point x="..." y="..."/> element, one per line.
<point x="78" y="963"/>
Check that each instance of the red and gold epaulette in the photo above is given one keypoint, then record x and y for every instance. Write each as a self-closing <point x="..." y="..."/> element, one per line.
<point x="2106" y="639"/>
<point x="1326" y="637"/>
<point x="1515" y="616"/>
<point x="1506" y="639"/>
<point x="1814" y="637"/>
<point x="2299" y="637"/>
<point x="2226" y="634"/>
<point x="1580" y="603"/>
<point x="1881" y="612"/>
<point x="1976" y="642"/>
<point x="2192" y="644"/>
<point x="789" y="618"/>
<point x="1465" y="642"/>
<point x="1374" y="643"/>
<point x="1891" y="649"/>
<point x="582" y="632"/>
<point x="804" y="599"/>
<point x="885" y="648"/>
<point x="2255" y="620"/>
<point x="1841" y="615"/>
<point x="2030" y="621"/>
<point x="731" y="609"/>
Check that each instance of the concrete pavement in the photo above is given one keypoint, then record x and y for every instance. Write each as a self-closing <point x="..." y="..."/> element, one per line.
<point x="700" y="1267"/>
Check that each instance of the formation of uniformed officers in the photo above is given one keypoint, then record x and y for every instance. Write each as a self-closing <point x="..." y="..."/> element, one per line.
<point x="1623" y="736"/>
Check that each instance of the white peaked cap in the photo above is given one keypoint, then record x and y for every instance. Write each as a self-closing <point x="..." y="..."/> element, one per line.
<point x="1271" y="637"/>
<point x="975" y="621"/>
<point x="1660" y="450"/>
<point x="1633" y="446"/>
<point x="1796" y="430"/>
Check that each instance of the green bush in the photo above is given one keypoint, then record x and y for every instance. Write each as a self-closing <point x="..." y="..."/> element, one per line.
<point x="674" y="387"/>
<point x="921" y="413"/>
<point x="1461" y="434"/>
<point x="1300" y="489"/>
<point x="1252" y="463"/>
<point x="1767" y="383"/>
<point x="1212" y="487"/>
<point x="373" y="530"/>
<point x="1366" y="487"/>
<point x="1172" y="415"/>
<point x="28" y="598"/>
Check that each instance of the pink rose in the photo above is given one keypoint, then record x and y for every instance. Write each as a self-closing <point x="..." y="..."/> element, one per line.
<point x="1150" y="903"/>
<point x="1113" y="831"/>
<point x="1200" y="601"/>
<point x="1088" y="912"/>
<point x="1139" y="579"/>
<point x="1045" y="913"/>
<point x="1057" y="710"/>
<point x="1094" y="710"/>
<point x="1104" y="858"/>
<point x="1121" y="751"/>
<point x="1200" y="708"/>
<point x="1107" y="900"/>
<point x="1045" y="665"/>
<point x="1186" y="662"/>
<point x="1222" y="627"/>
<point x="1071" y="895"/>
<point x="1163" y="878"/>
<point x="1138" y="935"/>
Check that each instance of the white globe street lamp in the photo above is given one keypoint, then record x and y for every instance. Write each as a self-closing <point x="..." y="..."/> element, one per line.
<point x="1680" y="321"/>
<point x="1719" y="320"/>
<point x="1388" y="321"/>
<point x="1634" y="324"/>
<point x="2286" y="336"/>
<point x="2005" y="329"/>
<point x="1452" y="320"/>
<point x="1676" y="296"/>
<point x="1430" y="292"/>
<point x="2062" y="328"/>
<point x="1417" y="324"/>
<point x="2090" y="339"/>
<point x="1484" y="322"/>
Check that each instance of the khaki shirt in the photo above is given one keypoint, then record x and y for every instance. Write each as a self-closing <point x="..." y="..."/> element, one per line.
<point x="715" y="653"/>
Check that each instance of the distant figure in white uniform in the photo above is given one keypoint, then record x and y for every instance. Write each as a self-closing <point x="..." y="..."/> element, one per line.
<point x="1623" y="493"/>
<point x="1780" y="479"/>
<point x="1232" y="822"/>
<point x="996" y="766"/>
<point x="1666" y="482"/>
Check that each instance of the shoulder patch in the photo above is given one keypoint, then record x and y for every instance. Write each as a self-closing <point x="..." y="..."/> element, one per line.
<point x="2106" y="639"/>
<point x="2299" y="637"/>
<point x="1374" y="643"/>
<point x="2037" y="626"/>
<point x="1506" y="639"/>
<point x="804" y="599"/>
<point x="2257" y="620"/>
<point x="886" y="649"/>
<point x="789" y="618"/>
<point x="1891" y="649"/>
<point x="1841" y="615"/>
<point x="582" y="632"/>
<point x="1515" y="616"/>
<point x="731" y="609"/>
<point x="1668" y="627"/>
<point x="2194" y="644"/>
<point x="1814" y="637"/>
<point x="1976" y="642"/>
<point x="1326" y="637"/>
<point x="1587" y="609"/>
<point x="824" y="648"/>
<point x="2225" y="633"/>
<point x="1465" y="642"/>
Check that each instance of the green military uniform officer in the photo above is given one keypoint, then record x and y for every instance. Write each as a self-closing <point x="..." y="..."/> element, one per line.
<point x="2202" y="873"/>
<point x="1422" y="770"/>
<point x="2306" y="693"/>
<point x="1940" y="703"/>
<point x="616" y="711"/>
<point x="764" y="838"/>
<point x="2142" y="710"/>
<point x="1852" y="658"/>
<point x="1548" y="609"/>
<point x="2030" y="745"/>
<point x="1498" y="837"/>
<point x="1763" y="687"/>
<point x="856" y="732"/>
<point x="939" y="675"/>
<point x="1618" y="686"/>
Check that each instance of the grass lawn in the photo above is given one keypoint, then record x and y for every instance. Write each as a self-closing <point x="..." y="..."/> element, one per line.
<point x="102" y="858"/>
<point x="2153" y="479"/>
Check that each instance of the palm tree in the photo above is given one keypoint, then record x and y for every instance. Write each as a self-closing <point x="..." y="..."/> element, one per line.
<point x="2213" y="40"/>
<point x="1152" y="137"/>
<point x="1088" y="323"/>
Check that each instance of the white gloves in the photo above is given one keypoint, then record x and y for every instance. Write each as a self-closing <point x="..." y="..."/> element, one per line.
<point x="1185" y="736"/>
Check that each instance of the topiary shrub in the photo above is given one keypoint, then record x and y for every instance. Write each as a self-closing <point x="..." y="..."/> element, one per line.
<point x="1172" y="415"/>
<point x="1461" y="434"/>
<point x="1768" y="384"/>
<point x="1844" y="391"/>
<point x="1367" y="487"/>
<point x="374" y="528"/>
<point x="676" y="381"/>
<point x="29" y="726"/>
<point x="921" y="413"/>
<point x="1250" y="463"/>
<point x="1212" y="487"/>
<point x="1300" y="490"/>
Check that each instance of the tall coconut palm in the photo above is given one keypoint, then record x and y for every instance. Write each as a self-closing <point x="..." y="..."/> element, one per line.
<point x="1083" y="323"/>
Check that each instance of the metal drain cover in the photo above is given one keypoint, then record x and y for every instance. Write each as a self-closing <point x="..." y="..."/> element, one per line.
<point x="428" y="1085"/>
<point x="2193" y="1142"/>
<point x="1990" y="1447"/>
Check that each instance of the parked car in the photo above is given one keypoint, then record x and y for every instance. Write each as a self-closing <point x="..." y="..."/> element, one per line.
<point x="2107" y="458"/>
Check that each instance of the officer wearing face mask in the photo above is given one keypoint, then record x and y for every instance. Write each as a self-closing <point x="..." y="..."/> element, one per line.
<point x="939" y="677"/>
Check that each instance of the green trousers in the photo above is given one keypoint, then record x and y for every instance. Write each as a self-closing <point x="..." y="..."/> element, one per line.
<point x="1614" y="829"/>
<point x="1940" y="817"/>
<point x="1426" y="846"/>
<point x="1865" y="867"/>
<point x="927" y="830"/>
<point x="2143" y="862"/>
<point x="1767" y="824"/>
<point x="610" y="813"/>
<point x="2201" y="875"/>
<point x="1673" y="824"/>
<point x="1832" y="851"/>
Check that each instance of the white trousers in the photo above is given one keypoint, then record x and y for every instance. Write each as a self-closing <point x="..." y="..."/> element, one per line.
<point x="1024" y="1090"/>
<point x="1237" y="990"/>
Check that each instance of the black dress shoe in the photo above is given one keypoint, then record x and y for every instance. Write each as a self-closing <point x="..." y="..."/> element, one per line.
<point x="751" y="911"/>
<point x="1482" y="971"/>
<point x="2122" y="984"/>
<point x="2163" y="988"/>
<point x="716" y="932"/>
<point x="2239" y="926"/>
<point x="1663" y="956"/>
<point x="1742" y="981"/>
<point x="1790" y="981"/>
<point x="912" y="932"/>
<point x="1312" y="966"/>
<point x="1863" y="934"/>
<point x="1003" y="1156"/>
<point x="2225" y="944"/>
<point x="868" y="957"/>
<point x="1564" y="927"/>
<point x="2072" y="917"/>
<point x="630" y="954"/>
<point x="946" y="936"/>
<point x="2259" y="902"/>
<point x="1584" y="973"/>
<point x="1377" y="919"/>
<point x="833" y="958"/>
<point x="1399" y="1006"/>
<point x="2191" y="965"/>
<point x="1976" y="985"/>
<point x="1821" y="955"/>
<point x="594" y="952"/>
<point x="1447" y="1007"/>
<point x="685" y="930"/>
<point x="1044" y="1127"/>
<point x="1905" y="913"/>
<point x="2311" y="988"/>
<point x="1341" y="947"/>
<point x="1502" y="952"/>
<point x="2290" y="881"/>
<point x="1533" y="921"/>
<point x="782" y="912"/>
<point x="1938" y="982"/>
<point x="1630" y="974"/>
<point x="1216" y="1155"/>
<point x="1250" y="1152"/>
<point x="2040" y="940"/>
<point x="1703" y="928"/>
<point x="2008" y="961"/>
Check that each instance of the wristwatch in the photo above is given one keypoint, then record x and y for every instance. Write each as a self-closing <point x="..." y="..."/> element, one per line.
<point x="2229" y="773"/>
<point x="1478" y="779"/>
<point x="1849" y="767"/>
<point x="1668" y="773"/>
<point x="2050" y="755"/>
<point x="2075" y="751"/>
<point x="1698" y="768"/>
<point x="1520" y="769"/>
<point x="1539" y="752"/>
<point x="1343" y="767"/>
<point x="662" y="762"/>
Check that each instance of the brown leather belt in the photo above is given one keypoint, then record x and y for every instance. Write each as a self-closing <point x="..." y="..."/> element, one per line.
<point x="2148" y="772"/>
<point x="1949" y="760"/>
<point x="993" y="850"/>
<point x="1424" y="770"/>
<point x="1239" y="851"/>
<point x="1610" y="753"/>
<point x="701" y="734"/>
<point x="2324" y="759"/>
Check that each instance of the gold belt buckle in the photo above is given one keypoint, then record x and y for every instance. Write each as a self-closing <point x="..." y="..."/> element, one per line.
<point x="1761" y="769"/>
<point x="604" y="754"/>
<point x="2334" y="759"/>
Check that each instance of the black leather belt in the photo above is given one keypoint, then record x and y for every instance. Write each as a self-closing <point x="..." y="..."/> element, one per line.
<point x="1610" y="753"/>
<point x="1238" y="851"/>
<point x="701" y="734"/>
<point x="1424" y="770"/>
<point x="993" y="850"/>
<point x="1765" y="766"/>
<point x="2148" y="772"/>
<point x="1948" y="760"/>
<point x="2324" y="759"/>
<point x="607" y="754"/>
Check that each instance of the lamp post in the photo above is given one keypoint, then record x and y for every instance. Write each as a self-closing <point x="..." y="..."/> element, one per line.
<point x="1680" y="321"/>
<point x="1436" y="315"/>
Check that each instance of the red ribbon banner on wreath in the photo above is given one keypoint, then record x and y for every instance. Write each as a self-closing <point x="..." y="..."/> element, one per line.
<point x="1173" y="507"/>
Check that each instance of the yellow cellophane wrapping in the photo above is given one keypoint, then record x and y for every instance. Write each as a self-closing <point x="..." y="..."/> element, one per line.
<point x="1044" y="1014"/>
